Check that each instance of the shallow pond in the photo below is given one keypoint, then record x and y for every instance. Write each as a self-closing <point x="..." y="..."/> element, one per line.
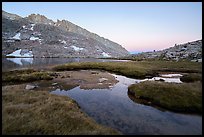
<point x="113" y="107"/>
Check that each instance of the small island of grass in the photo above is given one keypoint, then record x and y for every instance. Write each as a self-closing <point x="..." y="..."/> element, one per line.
<point x="185" y="97"/>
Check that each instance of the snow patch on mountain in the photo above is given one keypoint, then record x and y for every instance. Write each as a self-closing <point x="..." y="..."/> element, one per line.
<point x="77" y="48"/>
<point x="63" y="41"/>
<point x="34" y="38"/>
<point x="106" y="55"/>
<point x="32" y="25"/>
<point x="17" y="53"/>
<point x="17" y="36"/>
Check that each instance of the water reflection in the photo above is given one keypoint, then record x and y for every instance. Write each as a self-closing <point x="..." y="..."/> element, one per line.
<point x="21" y="61"/>
<point x="112" y="107"/>
<point x="14" y="63"/>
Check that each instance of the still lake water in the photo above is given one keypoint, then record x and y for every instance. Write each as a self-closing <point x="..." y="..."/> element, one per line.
<point x="16" y="63"/>
<point x="113" y="107"/>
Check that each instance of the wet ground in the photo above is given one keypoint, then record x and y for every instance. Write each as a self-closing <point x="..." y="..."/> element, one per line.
<point x="114" y="108"/>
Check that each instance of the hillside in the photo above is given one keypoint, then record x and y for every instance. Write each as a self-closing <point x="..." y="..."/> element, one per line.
<point x="189" y="51"/>
<point x="39" y="36"/>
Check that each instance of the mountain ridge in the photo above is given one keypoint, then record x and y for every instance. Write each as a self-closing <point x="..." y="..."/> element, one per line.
<point x="83" y="39"/>
<point x="190" y="51"/>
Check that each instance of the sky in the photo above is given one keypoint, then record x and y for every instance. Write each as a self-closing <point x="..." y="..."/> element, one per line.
<point x="137" y="26"/>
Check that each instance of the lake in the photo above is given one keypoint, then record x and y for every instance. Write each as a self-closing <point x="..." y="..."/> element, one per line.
<point x="16" y="63"/>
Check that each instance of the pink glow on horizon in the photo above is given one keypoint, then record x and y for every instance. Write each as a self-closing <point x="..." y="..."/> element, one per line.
<point x="142" y="45"/>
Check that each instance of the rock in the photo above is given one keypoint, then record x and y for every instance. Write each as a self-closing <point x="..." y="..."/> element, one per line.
<point x="94" y="72"/>
<point x="53" y="84"/>
<point x="149" y="102"/>
<point x="47" y="34"/>
<point x="194" y="60"/>
<point x="191" y="51"/>
<point x="30" y="87"/>
<point x="160" y="80"/>
<point x="102" y="79"/>
<point x="199" y="60"/>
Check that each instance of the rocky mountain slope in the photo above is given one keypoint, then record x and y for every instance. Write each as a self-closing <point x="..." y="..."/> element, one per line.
<point x="38" y="36"/>
<point x="190" y="51"/>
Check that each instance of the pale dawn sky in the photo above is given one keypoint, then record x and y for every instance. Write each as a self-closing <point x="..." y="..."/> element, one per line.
<point x="137" y="26"/>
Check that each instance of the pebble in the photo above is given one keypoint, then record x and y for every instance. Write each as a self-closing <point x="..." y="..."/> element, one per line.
<point x="30" y="87"/>
<point x="53" y="84"/>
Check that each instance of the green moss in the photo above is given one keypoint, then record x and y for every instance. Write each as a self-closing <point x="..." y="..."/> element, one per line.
<point x="185" y="97"/>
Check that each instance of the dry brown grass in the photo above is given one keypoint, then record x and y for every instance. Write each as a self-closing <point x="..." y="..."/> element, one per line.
<point x="29" y="112"/>
<point x="135" y="69"/>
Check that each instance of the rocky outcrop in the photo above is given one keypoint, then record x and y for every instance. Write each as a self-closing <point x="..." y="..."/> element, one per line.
<point x="190" y="51"/>
<point x="46" y="38"/>
<point x="76" y="29"/>
<point x="10" y="16"/>
<point x="37" y="18"/>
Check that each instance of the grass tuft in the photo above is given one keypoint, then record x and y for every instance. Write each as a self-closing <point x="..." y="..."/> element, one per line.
<point x="185" y="97"/>
<point x="27" y="75"/>
<point x="135" y="69"/>
<point x="191" y="77"/>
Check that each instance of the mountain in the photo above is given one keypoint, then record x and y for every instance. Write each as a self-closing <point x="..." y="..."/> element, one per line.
<point x="38" y="36"/>
<point x="190" y="51"/>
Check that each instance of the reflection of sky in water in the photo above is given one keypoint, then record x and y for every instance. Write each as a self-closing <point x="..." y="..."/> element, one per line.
<point x="112" y="107"/>
<point x="175" y="80"/>
<point x="171" y="75"/>
<point x="21" y="61"/>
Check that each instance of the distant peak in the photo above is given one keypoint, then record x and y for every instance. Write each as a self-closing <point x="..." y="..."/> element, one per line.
<point x="37" y="18"/>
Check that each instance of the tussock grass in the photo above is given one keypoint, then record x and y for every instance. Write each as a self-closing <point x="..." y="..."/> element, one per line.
<point x="40" y="113"/>
<point x="185" y="97"/>
<point x="127" y="69"/>
<point x="135" y="69"/>
<point x="191" y="77"/>
<point x="25" y="75"/>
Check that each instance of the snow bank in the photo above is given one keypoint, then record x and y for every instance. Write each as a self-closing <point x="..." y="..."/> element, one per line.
<point x="10" y="40"/>
<point x="17" y="36"/>
<point x="34" y="38"/>
<point x="29" y="54"/>
<point x="105" y="54"/>
<point x="77" y="48"/>
<point x="32" y="25"/>
<point x="63" y="41"/>
<point x="17" y="53"/>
